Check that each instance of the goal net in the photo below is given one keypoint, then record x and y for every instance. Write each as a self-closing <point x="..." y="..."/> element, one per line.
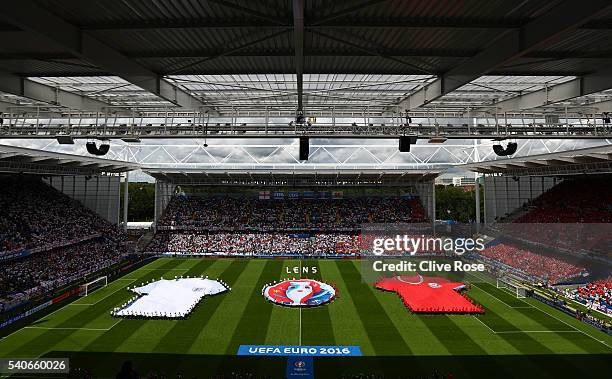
<point x="513" y="286"/>
<point x="87" y="288"/>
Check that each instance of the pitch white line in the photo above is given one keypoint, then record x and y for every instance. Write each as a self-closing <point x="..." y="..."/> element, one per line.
<point x="547" y="313"/>
<point x="52" y="328"/>
<point x="493" y="296"/>
<point x="536" y="331"/>
<point x="524" y="331"/>
<point x="573" y="327"/>
<point x="73" y="303"/>
<point x="487" y="326"/>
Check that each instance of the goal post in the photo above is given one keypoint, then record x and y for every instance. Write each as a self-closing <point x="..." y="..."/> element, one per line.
<point x="513" y="286"/>
<point x="88" y="287"/>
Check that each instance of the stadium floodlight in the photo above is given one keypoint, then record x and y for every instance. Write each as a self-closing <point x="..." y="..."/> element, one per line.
<point x="65" y="140"/>
<point x="510" y="149"/>
<point x="99" y="151"/>
<point x="405" y="142"/>
<point x="304" y="148"/>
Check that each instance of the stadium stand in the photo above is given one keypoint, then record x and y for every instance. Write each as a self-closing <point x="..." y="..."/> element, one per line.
<point x="573" y="201"/>
<point x="246" y="226"/>
<point x="256" y="243"/>
<point x="595" y="295"/>
<point x="535" y="266"/>
<point x="48" y="241"/>
<point x="47" y="270"/>
<point x="35" y="216"/>
<point x="247" y="213"/>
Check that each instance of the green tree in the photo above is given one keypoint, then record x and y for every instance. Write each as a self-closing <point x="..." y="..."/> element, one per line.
<point x="141" y="202"/>
<point x="457" y="203"/>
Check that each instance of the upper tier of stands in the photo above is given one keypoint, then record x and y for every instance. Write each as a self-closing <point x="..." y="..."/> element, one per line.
<point x="573" y="217"/>
<point x="248" y="213"/>
<point x="34" y="215"/>
<point x="573" y="201"/>
<point x="536" y="266"/>
<point x="48" y="240"/>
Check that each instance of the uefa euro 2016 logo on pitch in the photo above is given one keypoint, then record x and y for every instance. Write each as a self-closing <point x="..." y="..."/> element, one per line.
<point x="299" y="293"/>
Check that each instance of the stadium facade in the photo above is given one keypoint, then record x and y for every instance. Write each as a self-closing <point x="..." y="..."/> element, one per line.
<point x="284" y="139"/>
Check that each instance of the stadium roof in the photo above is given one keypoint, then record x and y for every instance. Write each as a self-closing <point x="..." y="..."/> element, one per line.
<point x="30" y="161"/>
<point x="591" y="160"/>
<point x="296" y="177"/>
<point x="225" y="56"/>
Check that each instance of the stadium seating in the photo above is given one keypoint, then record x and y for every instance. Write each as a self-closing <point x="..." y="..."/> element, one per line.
<point x="256" y="243"/>
<point x="245" y="225"/>
<point x="34" y="215"/>
<point x="56" y="240"/>
<point x="540" y="267"/>
<point x="45" y="271"/>
<point x="248" y="213"/>
<point x="573" y="201"/>
<point x="595" y="295"/>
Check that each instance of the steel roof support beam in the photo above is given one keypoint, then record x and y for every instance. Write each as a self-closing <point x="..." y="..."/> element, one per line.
<point x="17" y="85"/>
<point x="29" y="16"/>
<point x="250" y="12"/>
<point x="350" y="9"/>
<point x="567" y="16"/>
<point x="585" y="85"/>
<point x="298" y="33"/>
<point x="331" y="21"/>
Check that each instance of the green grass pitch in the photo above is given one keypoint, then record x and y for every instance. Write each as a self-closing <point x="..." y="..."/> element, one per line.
<point x="361" y="315"/>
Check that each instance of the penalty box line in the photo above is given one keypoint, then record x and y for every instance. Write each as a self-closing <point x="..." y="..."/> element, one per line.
<point x="87" y="329"/>
<point x="131" y="280"/>
<point x="500" y="300"/>
<point x="575" y="329"/>
<point x="79" y="304"/>
<point x="524" y="331"/>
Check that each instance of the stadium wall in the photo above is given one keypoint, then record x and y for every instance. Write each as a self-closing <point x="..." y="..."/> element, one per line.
<point x="101" y="194"/>
<point x="163" y="195"/>
<point x="426" y="191"/>
<point x="505" y="194"/>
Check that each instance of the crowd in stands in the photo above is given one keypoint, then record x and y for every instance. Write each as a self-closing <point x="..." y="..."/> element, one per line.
<point x="48" y="240"/>
<point x="595" y="295"/>
<point x="537" y="266"/>
<point x="34" y="215"/>
<point x="573" y="216"/>
<point x="47" y="270"/>
<point x="246" y="225"/>
<point x="256" y="243"/>
<point x="573" y="201"/>
<point x="249" y="213"/>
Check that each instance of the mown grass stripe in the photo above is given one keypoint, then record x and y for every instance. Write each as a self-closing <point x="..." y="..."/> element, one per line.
<point x="506" y="320"/>
<point x="116" y="338"/>
<point x="183" y="335"/>
<point x="136" y="325"/>
<point x="50" y="338"/>
<point x="284" y="325"/>
<point x="590" y="339"/>
<point x="385" y="338"/>
<point x="347" y="326"/>
<point x="583" y="343"/>
<point x="316" y="323"/>
<point x="253" y="325"/>
<point x="215" y="338"/>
